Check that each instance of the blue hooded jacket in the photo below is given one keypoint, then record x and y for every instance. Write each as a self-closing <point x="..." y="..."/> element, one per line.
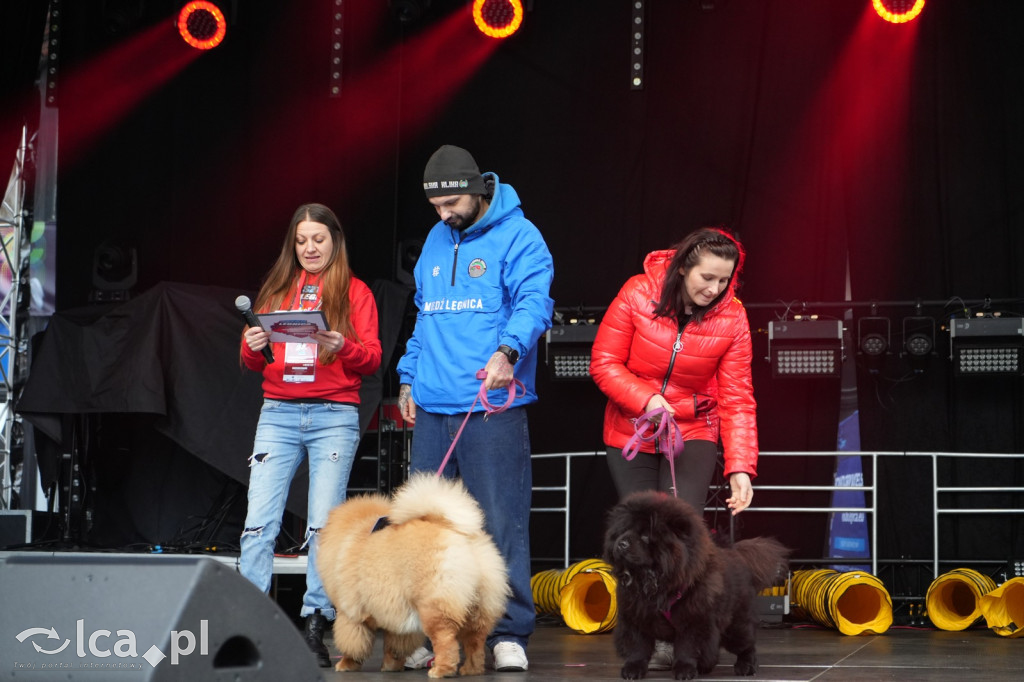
<point x="476" y="290"/>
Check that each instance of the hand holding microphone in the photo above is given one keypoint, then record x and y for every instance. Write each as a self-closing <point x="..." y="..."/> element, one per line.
<point x="244" y="306"/>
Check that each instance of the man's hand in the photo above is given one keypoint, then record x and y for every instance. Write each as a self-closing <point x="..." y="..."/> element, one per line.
<point x="499" y="372"/>
<point x="405" y="404"/>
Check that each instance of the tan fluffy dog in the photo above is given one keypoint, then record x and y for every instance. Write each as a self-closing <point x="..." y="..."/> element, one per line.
<point x="420" y="563"/>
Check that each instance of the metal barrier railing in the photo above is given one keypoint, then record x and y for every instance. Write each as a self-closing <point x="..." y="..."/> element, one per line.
<point x="870" y="459"/>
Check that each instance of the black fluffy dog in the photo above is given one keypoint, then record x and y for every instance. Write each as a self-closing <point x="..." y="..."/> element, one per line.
<point x="675" y="584"/>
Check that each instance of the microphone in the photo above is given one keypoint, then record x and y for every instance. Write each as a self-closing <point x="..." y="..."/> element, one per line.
<point x="244" y="306"/>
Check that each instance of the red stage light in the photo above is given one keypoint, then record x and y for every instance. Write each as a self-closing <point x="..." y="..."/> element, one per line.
<point x="498" y="18"/>
<point x="202" y="25"/>
<point x="898" y="11"/>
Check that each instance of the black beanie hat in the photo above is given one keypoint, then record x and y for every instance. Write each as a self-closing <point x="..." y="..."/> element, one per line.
<point x="452" y="170"/>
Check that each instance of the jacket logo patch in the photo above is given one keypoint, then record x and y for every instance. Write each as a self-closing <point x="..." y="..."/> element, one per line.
<point x="477" y="267"/>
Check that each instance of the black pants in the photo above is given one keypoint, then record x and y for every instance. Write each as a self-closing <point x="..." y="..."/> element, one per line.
<point x="694" y="468"/>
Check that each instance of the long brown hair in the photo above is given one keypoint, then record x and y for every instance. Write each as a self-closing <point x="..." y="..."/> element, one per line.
<point x="716" y="241"/>
<point x="334" y="278"/>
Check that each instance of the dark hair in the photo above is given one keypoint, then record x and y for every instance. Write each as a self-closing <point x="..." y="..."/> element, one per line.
<point x="716" y="241"/>
<point x="335" y="277"/>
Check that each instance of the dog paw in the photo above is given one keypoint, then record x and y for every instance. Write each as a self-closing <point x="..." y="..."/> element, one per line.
<point x="684" y="671"/>
<point x="634" y="670"/>
<point x="745" y="667"/>
<point x="705" y="667"/>
<point x="347" y="664"/>
<point x="437" y="672"/>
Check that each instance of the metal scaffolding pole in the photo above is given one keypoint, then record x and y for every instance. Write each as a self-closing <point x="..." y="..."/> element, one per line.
<point x="14" y="302"/>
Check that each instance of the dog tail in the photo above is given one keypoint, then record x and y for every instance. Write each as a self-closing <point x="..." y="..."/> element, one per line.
<point x="767" y="559"/>
<point x="427" y="496"/>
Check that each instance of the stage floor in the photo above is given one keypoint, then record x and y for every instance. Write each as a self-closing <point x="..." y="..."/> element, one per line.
<point x="786" y="653"/>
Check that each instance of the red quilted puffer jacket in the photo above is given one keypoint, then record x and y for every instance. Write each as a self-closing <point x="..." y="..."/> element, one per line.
<point x="706" y="378"/>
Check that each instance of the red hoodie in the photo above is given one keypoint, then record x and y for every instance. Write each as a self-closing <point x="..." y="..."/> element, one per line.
<point x="630" y="360"/>
<point x="340" y="380"/>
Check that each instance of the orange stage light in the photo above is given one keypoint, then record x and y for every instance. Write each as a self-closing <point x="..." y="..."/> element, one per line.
<point x="898" y="11"/>
<point x="202" y="25"/>
<point x="498" y="18"/>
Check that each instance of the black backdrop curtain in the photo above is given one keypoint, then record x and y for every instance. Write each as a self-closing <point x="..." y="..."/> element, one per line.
<point x="842" y="149"/>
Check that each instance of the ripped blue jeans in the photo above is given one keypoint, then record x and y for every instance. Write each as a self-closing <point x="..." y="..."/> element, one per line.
<point x="326" y="433"/>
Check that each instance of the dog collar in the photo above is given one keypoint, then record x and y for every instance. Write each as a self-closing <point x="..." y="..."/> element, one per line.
<point x="668" y="609"/>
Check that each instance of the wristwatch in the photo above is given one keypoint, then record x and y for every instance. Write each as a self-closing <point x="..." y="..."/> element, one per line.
<point x="510" y="353"/>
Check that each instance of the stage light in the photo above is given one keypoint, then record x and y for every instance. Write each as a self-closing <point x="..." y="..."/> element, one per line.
<point x="985" y="346"/>
<point x="805" y="348"/>
<point x="115" y="271"/>
<point x="498" y="18"/>
<point x="636" y="55"/>
<point x="918" y="341"/>
<point x="337" y="45"/>
<point x="898" y="11"/>
<point x="918" y="335"/>
<point x="202" y="24"/>
<point x="568" y="350"/>
<point x="873" y="341"/>
<point x="873" y="335"/>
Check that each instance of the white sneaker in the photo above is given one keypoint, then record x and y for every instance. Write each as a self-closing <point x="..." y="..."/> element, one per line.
<point x="421" y="658"/>
<point x="663" y="657"/>
<point x="509" y="657"/>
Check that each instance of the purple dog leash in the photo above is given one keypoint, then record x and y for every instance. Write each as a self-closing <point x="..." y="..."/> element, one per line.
<point x="657" y="425"/>
<point x="481" y="395"/>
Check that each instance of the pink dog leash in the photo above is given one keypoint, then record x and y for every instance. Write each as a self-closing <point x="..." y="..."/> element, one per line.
<point x="481" y="395"/>
<point x="669" y="438"/>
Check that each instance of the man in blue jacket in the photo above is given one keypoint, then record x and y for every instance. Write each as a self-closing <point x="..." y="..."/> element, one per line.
<point x="482" y="284"/>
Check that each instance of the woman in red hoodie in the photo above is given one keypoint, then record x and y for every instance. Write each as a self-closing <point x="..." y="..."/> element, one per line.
<point x="676" y="337"/>
<point x="310" y="399"/>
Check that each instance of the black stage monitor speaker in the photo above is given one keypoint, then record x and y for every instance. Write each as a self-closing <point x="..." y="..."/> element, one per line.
<point x="147" y="618"/>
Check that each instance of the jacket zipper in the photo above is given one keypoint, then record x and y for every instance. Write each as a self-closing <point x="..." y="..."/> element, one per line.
<point x="676" y="347"/>
<point x="455" y="262"/>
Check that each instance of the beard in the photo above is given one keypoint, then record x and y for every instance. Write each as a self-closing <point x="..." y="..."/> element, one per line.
<point x="460" y="221"/>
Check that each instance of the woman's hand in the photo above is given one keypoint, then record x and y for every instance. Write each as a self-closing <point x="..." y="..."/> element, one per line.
<point x="658" y="400"/>
<point x="256" y="338"/>
<point x="742" y="492"/>
<point x="331" y="340"/>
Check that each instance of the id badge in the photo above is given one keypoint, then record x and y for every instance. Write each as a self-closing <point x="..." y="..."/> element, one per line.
<point x="299" y="362"/>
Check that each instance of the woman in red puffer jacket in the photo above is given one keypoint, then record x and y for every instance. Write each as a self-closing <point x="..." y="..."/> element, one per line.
<point x="676" y="337"/>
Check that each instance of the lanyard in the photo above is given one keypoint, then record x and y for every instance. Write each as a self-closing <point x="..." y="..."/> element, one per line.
<point x="298" y="301"/>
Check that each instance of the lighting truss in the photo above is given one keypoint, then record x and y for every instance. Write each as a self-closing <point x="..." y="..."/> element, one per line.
<point x="986" y="346"/>
<point x="15" y="222"/>
<point x="805" y="348"/>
